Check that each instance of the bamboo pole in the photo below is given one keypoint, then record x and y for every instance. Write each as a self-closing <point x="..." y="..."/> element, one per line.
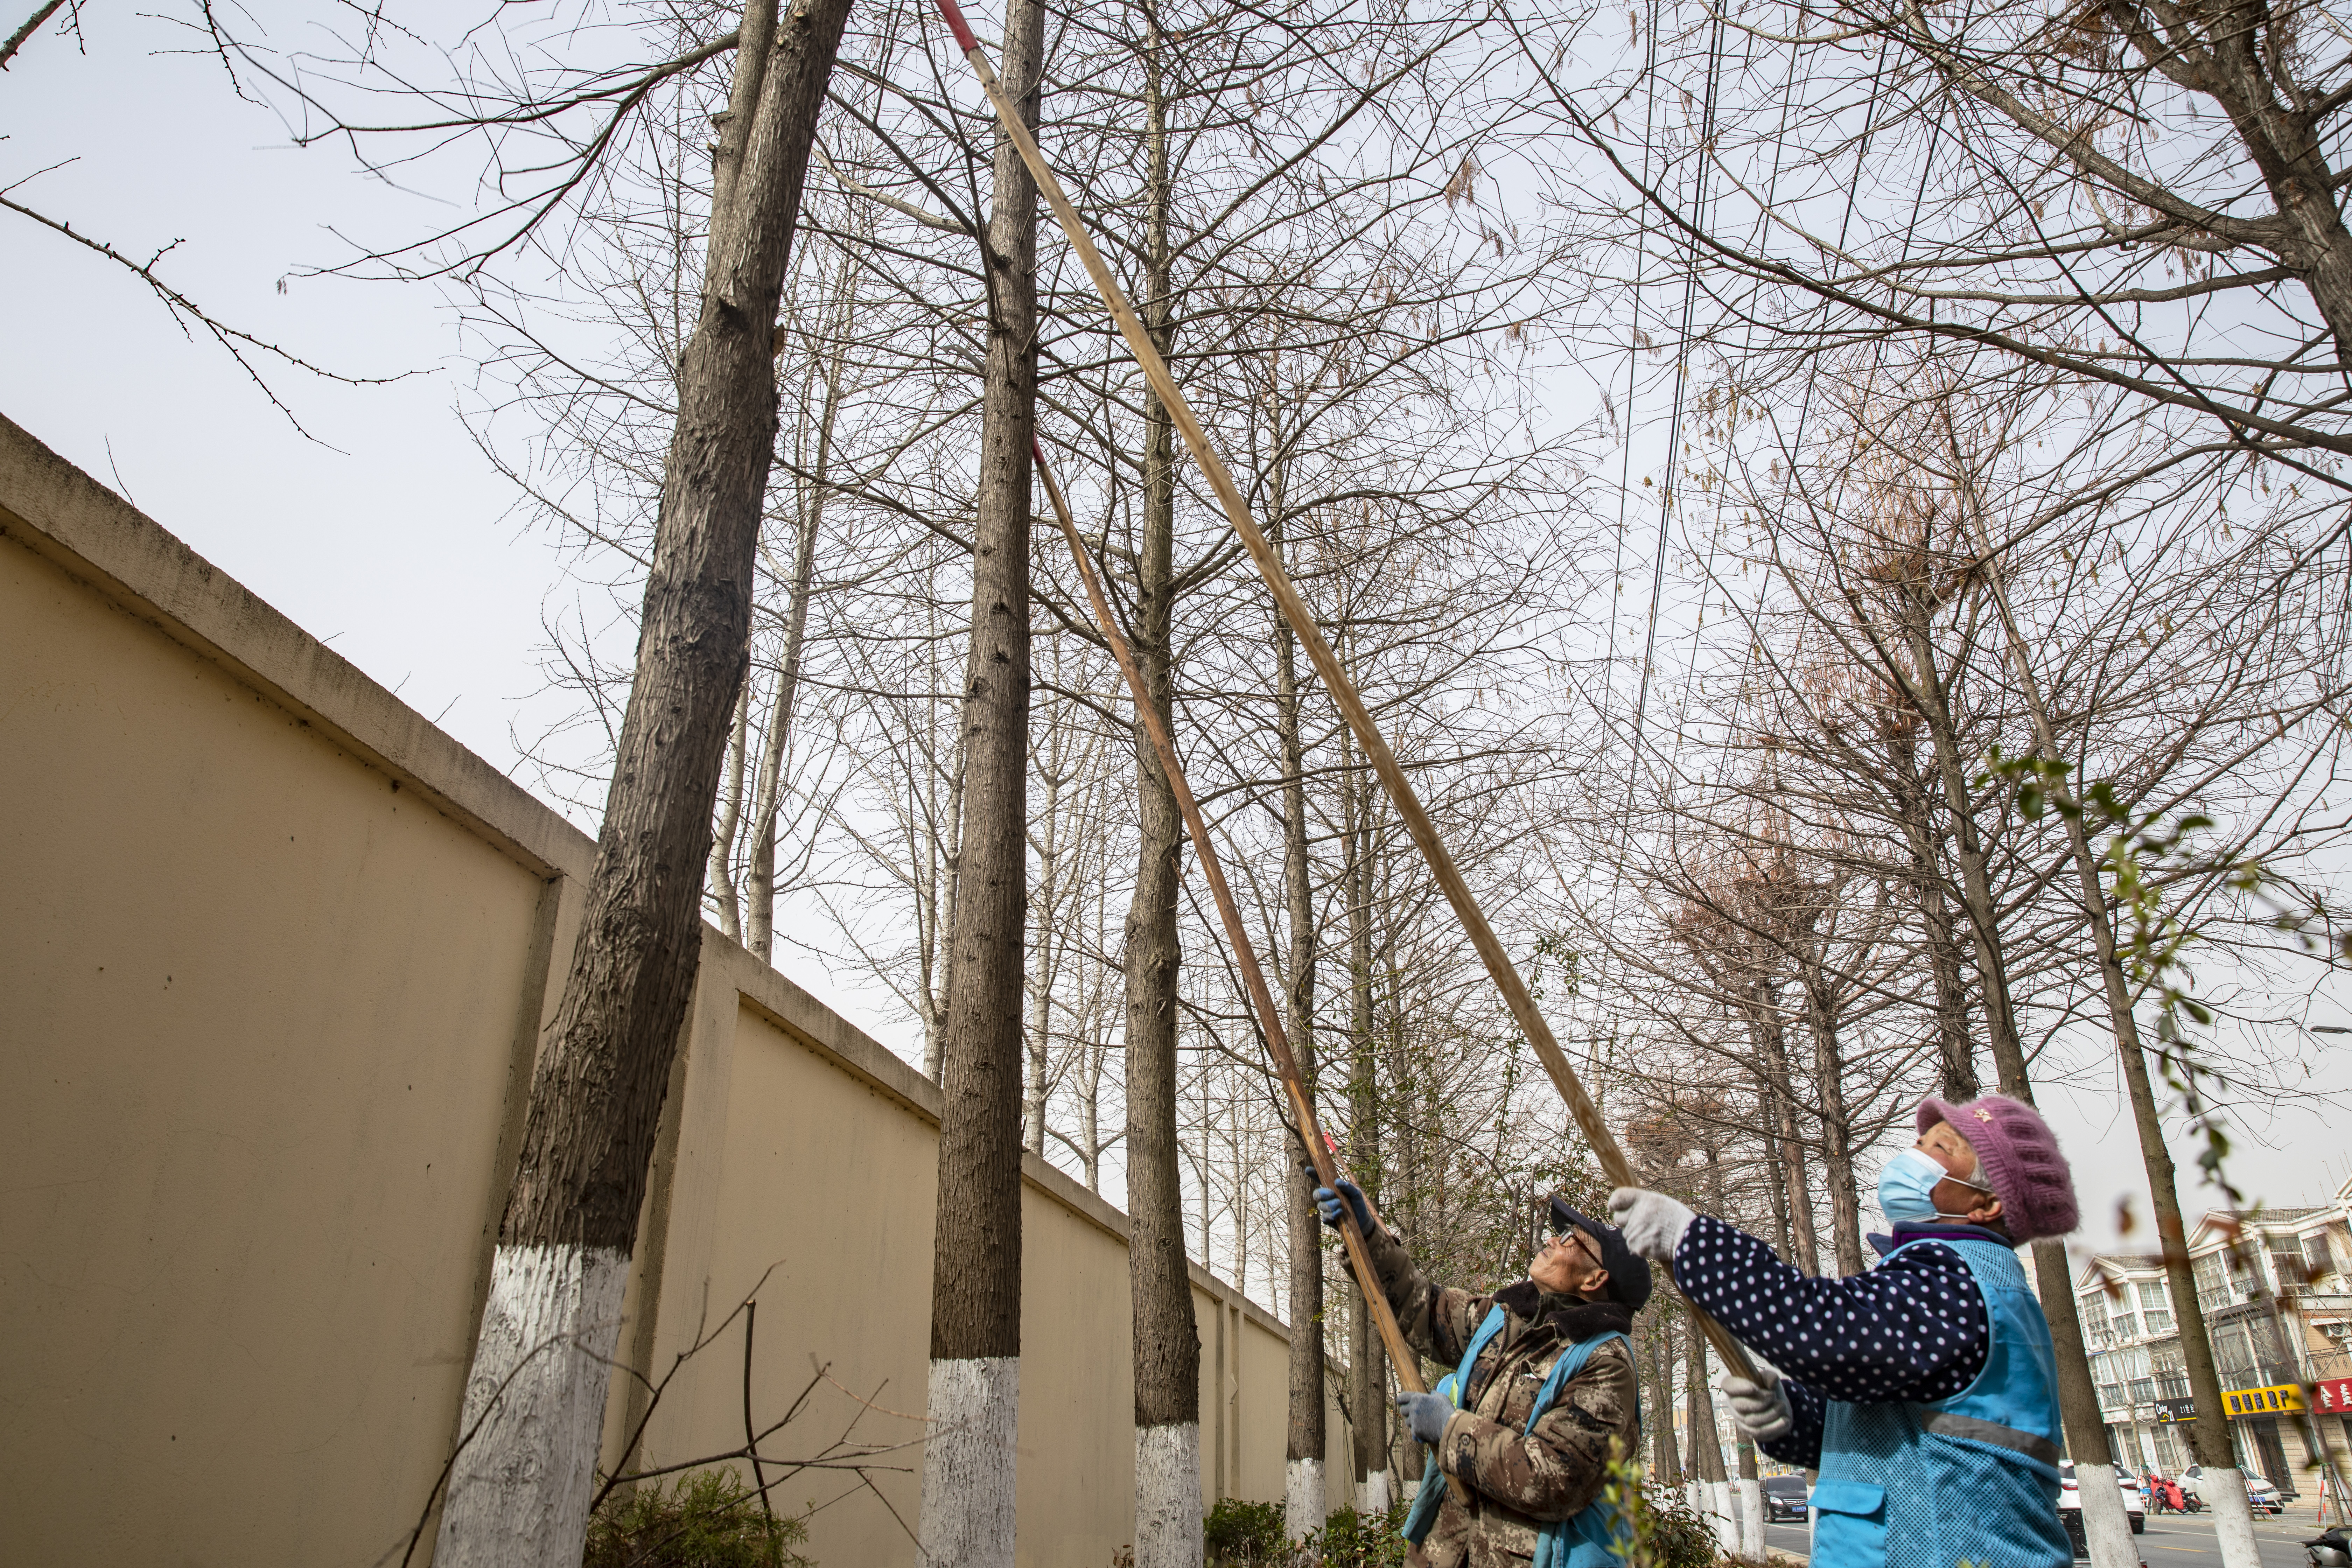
<point x="1499" y="967"/>
<point x="1277" y="1043"/>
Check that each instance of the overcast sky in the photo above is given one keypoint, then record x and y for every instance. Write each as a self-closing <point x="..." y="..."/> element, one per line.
<point x="388" y="535"/>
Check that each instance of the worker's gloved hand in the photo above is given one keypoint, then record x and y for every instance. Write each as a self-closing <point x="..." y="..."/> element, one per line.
<point x="1653" y="1223"/>
<point x="1761" y="1407"/>
<point x="1327" y="1204"/>
<point x="1426" y="1415"/>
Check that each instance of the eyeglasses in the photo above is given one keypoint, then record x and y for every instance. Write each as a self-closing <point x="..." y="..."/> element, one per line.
<point x="1574" y="1236"/>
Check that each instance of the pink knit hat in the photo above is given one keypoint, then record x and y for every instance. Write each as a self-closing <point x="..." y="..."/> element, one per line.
<point x="2017" y="1158"/>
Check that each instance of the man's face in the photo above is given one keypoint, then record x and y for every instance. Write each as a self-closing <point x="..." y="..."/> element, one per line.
<point x="1570" y="1265"/>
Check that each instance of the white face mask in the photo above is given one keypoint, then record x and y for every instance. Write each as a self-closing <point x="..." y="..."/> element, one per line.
<point x="1906" y="1189"/>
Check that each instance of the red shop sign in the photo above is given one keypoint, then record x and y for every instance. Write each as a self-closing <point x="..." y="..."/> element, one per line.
<point x="2335" y="1395"/>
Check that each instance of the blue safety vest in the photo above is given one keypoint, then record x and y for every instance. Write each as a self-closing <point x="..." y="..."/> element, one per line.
<point x="1970" y="1479"/>
<point x="1586" y="1539"/>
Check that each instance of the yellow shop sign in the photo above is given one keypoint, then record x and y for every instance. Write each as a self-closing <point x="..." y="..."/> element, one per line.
<point x="2278" y="1397"/>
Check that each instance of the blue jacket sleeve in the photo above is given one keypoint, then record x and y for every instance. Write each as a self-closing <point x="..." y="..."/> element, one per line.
<point x="1914" y="1327"/>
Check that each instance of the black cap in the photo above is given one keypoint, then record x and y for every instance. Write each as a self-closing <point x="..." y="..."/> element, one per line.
<point x="1629" y="1274"/>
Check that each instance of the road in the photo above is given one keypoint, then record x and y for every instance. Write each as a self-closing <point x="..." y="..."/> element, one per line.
<point x="2171" y="1540"/>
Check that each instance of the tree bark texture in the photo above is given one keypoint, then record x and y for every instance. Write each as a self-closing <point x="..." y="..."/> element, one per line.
<point x="969" y="1459"/>
<point x="1657" y="1355"/>
<point x="1367" y="1384"/>
<point x="1167" y="1341"/>
<point x="518" y="1492"/>
<point x="761" y="918"/>
<point x="1837" y="1136"/>
<point x="1772" y="1050"/>
<point x="1956" y="1052"/>
<point x="1931" y="696"/>
<point x="976" y="1285"/>
<point x="597" y="1092"/>
<point x="1305" y="1439"/>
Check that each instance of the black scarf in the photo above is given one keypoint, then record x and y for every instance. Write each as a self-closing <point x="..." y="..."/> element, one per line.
<point x="1572" y="1317"/>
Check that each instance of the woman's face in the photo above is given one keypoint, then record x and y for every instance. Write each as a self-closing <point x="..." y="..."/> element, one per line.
<point x="1958" y="1192"/>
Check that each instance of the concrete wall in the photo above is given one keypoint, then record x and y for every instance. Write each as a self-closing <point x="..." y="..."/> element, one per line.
<point x="276" y="955"/>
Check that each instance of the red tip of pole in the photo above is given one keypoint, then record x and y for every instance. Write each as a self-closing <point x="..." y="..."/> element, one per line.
<point x="957" y="26"/>
<point x="1035" y="450"/>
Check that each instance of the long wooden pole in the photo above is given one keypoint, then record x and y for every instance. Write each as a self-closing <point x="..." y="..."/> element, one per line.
<point x="1499" y="967"/>
<point x="1277" y="1043"/>
<point x="1351" y="704"/>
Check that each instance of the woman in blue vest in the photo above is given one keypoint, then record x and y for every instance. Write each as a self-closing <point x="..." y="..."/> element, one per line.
<point x="1926" y="1390"/>
<point x="1543" y="1385"/>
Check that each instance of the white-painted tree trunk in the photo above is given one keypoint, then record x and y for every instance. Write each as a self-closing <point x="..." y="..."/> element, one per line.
<point x="520" y="1487"/>
<point x="1168" y="1496"/>
<point x="1376" y="1492"/>
<point x="2224" y="1492"/>
<point x="1302" y="1498"/>
<point x="2106" y="1526"/>
<point x="1751" y="1518"/>
<point x="969" y="1465"/>
<point x="1719" y="1513"/>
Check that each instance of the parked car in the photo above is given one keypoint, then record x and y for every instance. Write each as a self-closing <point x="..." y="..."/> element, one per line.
<point x="2262" y="1496"/>
<point x="2070" y="1499"/>
<point x="1785" y="1498"/>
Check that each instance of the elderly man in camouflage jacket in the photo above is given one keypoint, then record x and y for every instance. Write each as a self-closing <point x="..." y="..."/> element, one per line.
<point x="1516" y="1477"/>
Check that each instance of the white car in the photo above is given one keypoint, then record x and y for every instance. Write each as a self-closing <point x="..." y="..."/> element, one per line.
<point x="2070" y="1496"/>
<point x="2262" y="1496"/>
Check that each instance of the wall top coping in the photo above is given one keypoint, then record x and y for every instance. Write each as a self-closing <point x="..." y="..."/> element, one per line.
<point x="96" y="537"/>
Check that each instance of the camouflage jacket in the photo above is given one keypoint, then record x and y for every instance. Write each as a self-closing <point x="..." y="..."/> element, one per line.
<point x="1516" y="1479"/>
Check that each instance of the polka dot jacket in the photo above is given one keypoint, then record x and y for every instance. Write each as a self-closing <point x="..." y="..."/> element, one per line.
<point x="1914" y="1327"/>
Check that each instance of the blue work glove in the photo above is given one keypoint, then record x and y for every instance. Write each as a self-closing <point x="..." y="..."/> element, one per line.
<point x="1426" y="1414"/>
<point x="1327" y="1204"/>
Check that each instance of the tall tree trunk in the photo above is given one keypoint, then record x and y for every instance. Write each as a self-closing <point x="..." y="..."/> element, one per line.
<point x="1955" y="1053"/>
<point x="2103" y="1520"/>
<point x="1837" y="1133"/>
<point x="1090" y="1114"/>
<point x="761" y="918"/>
<point x="1167" y="1343"/>
<point x="1304" y="1444"/>
<point x="969" y="1463"/>
<point x="1043" y="962"/>
<point x="535" y="1394"/>
<point x="1750" y="1501"/>
<point x="1931" y="697"/>
<point x="1707" y="1442"/>
<point x="2208" y="1438"/>
<point x="947" y="871"/>
<point x="1658" y="1355"/>
<point x="721" y="875"/>
<point x="1367" y="1359"/>
<point x="1772" y="1052"/>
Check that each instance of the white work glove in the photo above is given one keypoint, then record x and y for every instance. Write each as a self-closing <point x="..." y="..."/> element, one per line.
<point x="1760" y="1407"/>
<point x="1653" y="1223"/>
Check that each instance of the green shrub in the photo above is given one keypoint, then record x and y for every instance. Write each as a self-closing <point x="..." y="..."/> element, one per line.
<point x="708" y="1519"/>
<point x="1350" y="1539"/>
<point x="1243" y="1534"/>
<point x="1657" y="1526"/>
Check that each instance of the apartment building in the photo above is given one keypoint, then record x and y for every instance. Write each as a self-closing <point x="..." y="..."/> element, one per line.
<point x="2276" y="1290"/>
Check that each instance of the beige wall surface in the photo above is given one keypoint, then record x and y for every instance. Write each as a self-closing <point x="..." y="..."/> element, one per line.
<point x="275" y="953"/>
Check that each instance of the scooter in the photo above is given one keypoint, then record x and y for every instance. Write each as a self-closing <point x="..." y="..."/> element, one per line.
<point x="2333" y="1549"/>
